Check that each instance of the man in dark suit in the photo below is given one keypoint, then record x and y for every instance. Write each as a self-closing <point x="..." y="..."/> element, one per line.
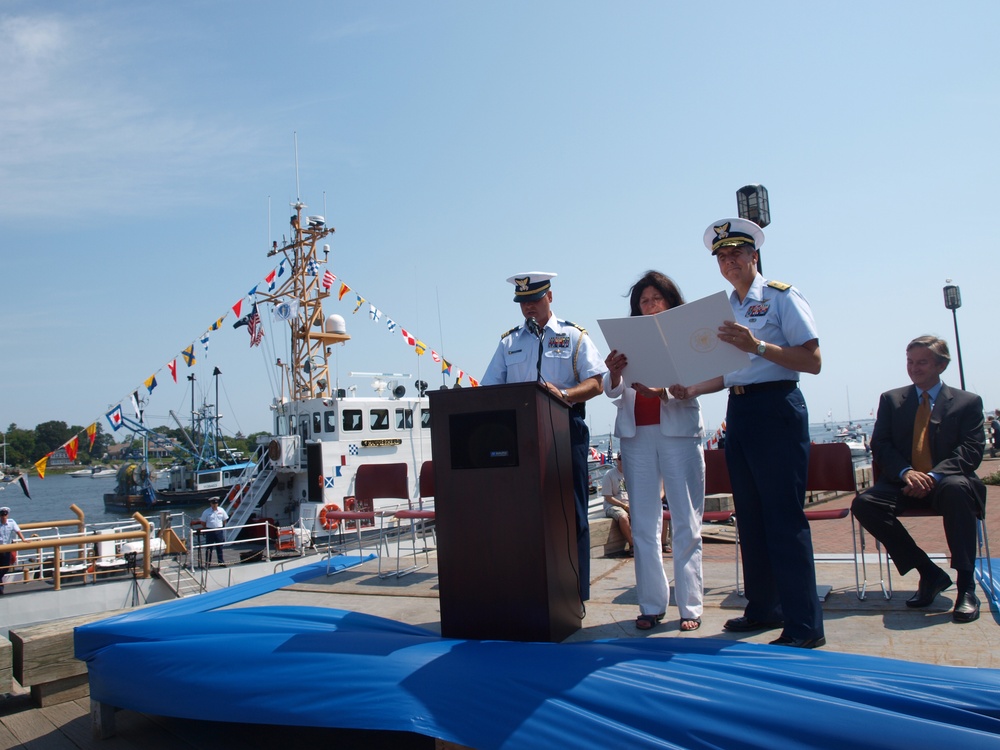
<point x="929" y="467"/>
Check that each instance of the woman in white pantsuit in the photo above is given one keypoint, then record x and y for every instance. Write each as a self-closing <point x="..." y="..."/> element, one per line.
<point x="661" y="447"/>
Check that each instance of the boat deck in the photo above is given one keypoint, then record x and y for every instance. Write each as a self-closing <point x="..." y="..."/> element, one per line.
<point x="875" y="627"/>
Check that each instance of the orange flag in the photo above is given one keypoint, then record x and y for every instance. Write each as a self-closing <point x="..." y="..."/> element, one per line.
<point x="72" y="447"/>
<point x="40" y="465"/>
<point x="91" y="434"/>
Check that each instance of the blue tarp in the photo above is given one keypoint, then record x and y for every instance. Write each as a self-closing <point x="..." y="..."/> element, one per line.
<point x="309" y="666"/>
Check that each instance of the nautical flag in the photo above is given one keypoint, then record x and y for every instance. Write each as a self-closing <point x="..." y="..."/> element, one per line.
<point x="435" y="356"/>
<point x="312" y="268"/>
<point x="409" y="339"/>
<point x="353" y="449"/>
<point x="281" y="268"/>
<point x="150" y="383"/>
<point x="374" y="313"/>
<point x="204" y="342"/>
<point x="172" y="366"/>
<point x="135" y="405"/>
<point x="421" y="347"/>
<point x="237" y="308"/>
<point x="390" y="324"/>
<point x="328" y="483"/>
<point x="23" y="481"/>
<point x="458" y="378"/>
<point x="361" y="301"/>
<point x="189" y="357"/>
<point x="328" y="280"/>
<point x="218" y="324"/>
<point x="446" y="367"/>
<point x="40" y="467"/>
<point x="253" y="291"/>
<point x="270" y="279"/>
<point x="92" y="434"/>
<point x="114" y="417"/>
<point x="344" y="289"/>
<point x="72" y="447"/>
<point x="473" y="382"/>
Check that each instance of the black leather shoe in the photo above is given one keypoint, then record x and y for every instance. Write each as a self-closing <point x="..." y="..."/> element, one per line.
<point x="748" y="624"/>
<point x="928" y="589"/>
<point x="799" y="642"/>
<point x="966" y="608"/>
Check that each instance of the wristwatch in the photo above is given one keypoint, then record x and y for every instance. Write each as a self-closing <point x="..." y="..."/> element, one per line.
<point x="564" y="394"/>
<point x="761" y="348"/>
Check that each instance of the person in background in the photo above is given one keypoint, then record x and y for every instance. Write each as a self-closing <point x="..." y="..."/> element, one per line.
<point x="767" y="438"/>
<point x="8" y="529"/>
<point x="616" y="500"/>
<point x="928" y="443"/>
<point x="661" y="442"/>
<point x="994" y="435"/>
<point x="562" y="356"/>
<point x="214" y="519"/>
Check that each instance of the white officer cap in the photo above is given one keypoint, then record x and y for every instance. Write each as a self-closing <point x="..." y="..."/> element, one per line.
<point x="732" y="233"/>
<point x="531" y="285"/>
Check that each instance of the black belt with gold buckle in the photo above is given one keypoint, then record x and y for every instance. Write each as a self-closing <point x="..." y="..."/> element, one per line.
<point x="771" y="385"/>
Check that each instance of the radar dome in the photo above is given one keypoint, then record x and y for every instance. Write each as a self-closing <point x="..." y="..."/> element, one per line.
<point x="335" y="324"/>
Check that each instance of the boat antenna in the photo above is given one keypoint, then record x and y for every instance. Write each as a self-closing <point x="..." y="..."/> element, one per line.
<point x="298" y="193"/>
<point x="437" y="293"/>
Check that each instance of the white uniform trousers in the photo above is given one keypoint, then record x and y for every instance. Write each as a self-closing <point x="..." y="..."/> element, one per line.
<point x="651" y="460"/>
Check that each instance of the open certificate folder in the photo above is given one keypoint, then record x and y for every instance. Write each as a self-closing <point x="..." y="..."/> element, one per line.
<point x="676" y="346"/>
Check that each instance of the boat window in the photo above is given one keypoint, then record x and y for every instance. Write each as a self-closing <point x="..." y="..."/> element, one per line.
<point x="378" y="419"/>
<point x="404" y="419"/>
<point x="329" y="421"/>
<point x="352" y="420"/>
<point x="304" y="428"/>
<point x="425" y="419"/>
<point x="281" y="427"/>
<point x="317" y="423"/>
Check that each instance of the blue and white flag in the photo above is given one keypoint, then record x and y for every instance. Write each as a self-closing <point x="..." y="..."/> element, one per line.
<point x="312" y="268"/>
<point x="114" y="417"/>
<point x="374" y="313"/>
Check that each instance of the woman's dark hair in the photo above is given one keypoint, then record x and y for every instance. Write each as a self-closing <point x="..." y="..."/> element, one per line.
<point x="663" y="284"/>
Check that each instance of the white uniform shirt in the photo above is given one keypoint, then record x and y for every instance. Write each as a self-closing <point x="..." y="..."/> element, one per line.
<point x="516" y="357"/>
<point x="778" y="317"/>
<point x="8" y="531"/>
<point x="214" y="519"/>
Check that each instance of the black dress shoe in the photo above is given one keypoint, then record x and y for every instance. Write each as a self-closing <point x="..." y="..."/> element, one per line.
<point x="928" y="589"/>
<point x="748" y="624"/>
<point x="966" y="608"/>
<point x="799" y="642"/>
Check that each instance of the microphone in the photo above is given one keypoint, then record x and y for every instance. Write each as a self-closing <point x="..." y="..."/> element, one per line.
<point x="536" y="330"/>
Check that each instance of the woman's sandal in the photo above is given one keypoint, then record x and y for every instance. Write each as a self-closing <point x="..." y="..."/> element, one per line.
<point x="693" y="623"/>
<point x="648" y="622"/>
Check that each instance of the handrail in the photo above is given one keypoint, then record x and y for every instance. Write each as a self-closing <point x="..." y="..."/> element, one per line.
<point x="79" y="523"/>
<point x="85" y="539"/>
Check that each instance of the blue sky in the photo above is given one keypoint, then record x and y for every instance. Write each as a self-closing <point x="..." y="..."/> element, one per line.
<point x="148" y="161"/>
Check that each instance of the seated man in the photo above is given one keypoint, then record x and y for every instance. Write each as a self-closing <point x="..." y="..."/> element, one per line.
<point x="616" y="499"/>
<point x="928" y="443"/>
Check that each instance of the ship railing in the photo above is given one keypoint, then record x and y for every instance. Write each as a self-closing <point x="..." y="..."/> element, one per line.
<point x="272" y="540"/>
<point x="253" y="484"/>
<point x="74" y="556"/>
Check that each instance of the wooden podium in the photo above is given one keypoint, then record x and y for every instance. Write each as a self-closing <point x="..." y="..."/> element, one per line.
<point x="505" y="514"/>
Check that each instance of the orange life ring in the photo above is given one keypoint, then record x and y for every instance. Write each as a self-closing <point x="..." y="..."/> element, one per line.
<point x="329" y="523"/>
<point x="235" y="496"/>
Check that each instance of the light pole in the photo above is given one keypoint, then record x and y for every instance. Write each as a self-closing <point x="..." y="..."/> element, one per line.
<point x="752" y="204"/>
<point x="953" y="301"/>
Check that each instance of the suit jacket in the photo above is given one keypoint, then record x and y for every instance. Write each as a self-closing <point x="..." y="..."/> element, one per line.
<point x="955" y="432"/>
<point x="678" y="417"/>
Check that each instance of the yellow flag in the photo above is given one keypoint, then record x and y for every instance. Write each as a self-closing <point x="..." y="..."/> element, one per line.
<point x="40" y="465"/>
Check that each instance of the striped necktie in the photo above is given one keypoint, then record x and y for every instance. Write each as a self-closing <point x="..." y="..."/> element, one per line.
<point x="921" y="455"/>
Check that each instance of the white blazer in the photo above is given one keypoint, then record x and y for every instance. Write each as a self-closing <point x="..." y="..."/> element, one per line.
<point x="678" y="417"/>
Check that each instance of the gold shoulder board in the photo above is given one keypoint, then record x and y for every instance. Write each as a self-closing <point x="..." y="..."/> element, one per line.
<point x="508" y="333"/>
<point x="781" y="286"/>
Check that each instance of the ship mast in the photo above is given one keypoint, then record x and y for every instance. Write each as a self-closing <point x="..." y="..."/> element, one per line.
<point x="309" y="369"/>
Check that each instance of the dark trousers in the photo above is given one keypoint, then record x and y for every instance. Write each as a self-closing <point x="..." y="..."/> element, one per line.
<point x="579" y="436"/>
<point x="5" y="558"/>
<point x="959" y="499"/>
<point x="214" y="536"/>
<point x="767" y="452"/>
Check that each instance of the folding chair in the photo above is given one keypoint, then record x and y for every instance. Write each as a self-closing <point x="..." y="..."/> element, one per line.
<point x="717" y="483"/>
<point x="370" y="482"/>
<point x="831" y="468"/>
<point x="418" y="518"/>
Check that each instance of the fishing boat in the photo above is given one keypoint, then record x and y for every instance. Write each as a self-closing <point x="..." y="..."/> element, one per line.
<point x="855" y="438"/>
